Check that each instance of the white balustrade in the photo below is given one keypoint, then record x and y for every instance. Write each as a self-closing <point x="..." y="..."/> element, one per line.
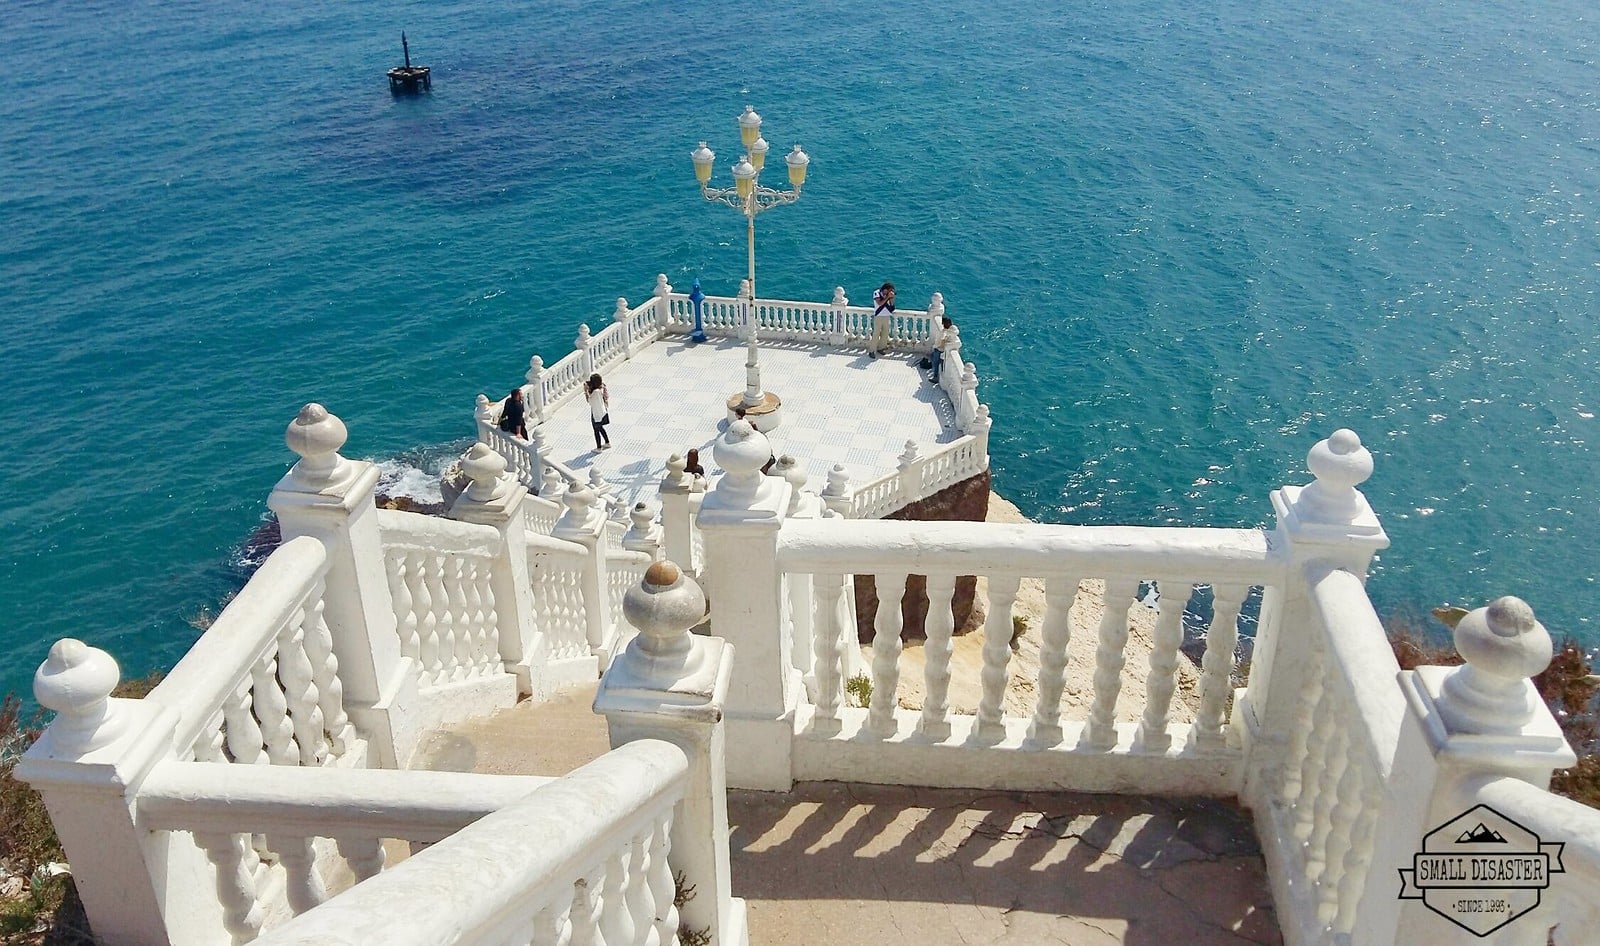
<point x="1061" y="555"/>
<point x="267" y="657"/>
<point x="440" y="578"/>
<point x="587" y="856"/>
<point x="555" y="568"/>
<point x="624" y="570"/>
<point x="539" y="515"/>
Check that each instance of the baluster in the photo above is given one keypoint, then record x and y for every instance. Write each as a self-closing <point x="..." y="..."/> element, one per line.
<point x="639" y="899"/>
<point x="1216" y="678"/>
<point x="935" y="721"/>
<point x="471" y="619"/>
<point x="586" y="906"/>
<point x="1290" y="784"/>
<point x="885" y="654"/>
<point x="235" y="863"/>
<point x="325" y="672"/>
<point x="662" y="887"/>
<point x="997" y="631"/>
<point x="419" y="577"/>
<point x="244" y="734"/>
<point x="826" y="652"/>
<point x="1358" y="857"/>
<point x="1318" y="749"/>
<point x="1327" y="795"/>
<point x="273" y="711"/>
<point x="1341" y="827"/>
<point x="1060" y="593"/>
<point x="401" y="569"/>
<point x="208" y="745"/>
<point x="302" y="884"/>
<point x="294" y="667"/>
<point x="616" y="922"/>
<point x="553" y="924"/>
<point x="364" y="855"/>
<point x="490" y="639"/>
<point x="448" y="604"/>
<point x="1163" y="679"/>
<point x="1101" y="732"/>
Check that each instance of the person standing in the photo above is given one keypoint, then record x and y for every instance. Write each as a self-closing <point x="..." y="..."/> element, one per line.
<point x="599" y="411"/>
<point x="513" y="418"/>
<point x="883" y="309"/>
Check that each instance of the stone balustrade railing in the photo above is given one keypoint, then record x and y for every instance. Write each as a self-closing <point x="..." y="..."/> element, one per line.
<point x="440" y="585"/>
<point x="585" y="859"/>
<point x="1094" y="754"/>
<point x="262" y="683"/>
<point x="555" y="568"/>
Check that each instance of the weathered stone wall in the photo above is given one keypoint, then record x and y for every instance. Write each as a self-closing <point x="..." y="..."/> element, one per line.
<point x="966" y="501"/>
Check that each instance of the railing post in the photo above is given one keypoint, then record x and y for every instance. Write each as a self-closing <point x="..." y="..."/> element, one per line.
<point x="581" y="345"/>
<point x="663" y="294"/>
<point x="967" y="403"/>
<point x="495" y="499"/>
<point x="740" y="520"/>
<point x="910" y="466"/>
<point x="1484" y="717"/>
<point x="837" y="339"/>
<point x="534" y="395"/>
<point x="584" y="522"/>
<point x="643" y="535"/>
<point x="672" y="685"/>
<point x="620" y="317"/>
<point x="676" y="524"/>
<point x="481" y="412"/>
<point x="89" y="766"/>
<point x="837" y="494"/>
<point x="935" y="324"/>
<point x="331" y="498"/>
<point x="980" y="432"/>
<point x="951" y="380"/>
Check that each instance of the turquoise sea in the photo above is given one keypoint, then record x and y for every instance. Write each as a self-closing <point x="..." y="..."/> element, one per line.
<point x="1183" y="241"/>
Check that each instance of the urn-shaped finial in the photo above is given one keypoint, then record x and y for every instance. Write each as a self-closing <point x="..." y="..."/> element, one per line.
<point x="486" y="468"/>
<point x="75" y="681"/>
<point x="741" y="451"/>
<point x="1340" y="464"/>
<point x="316" y="435"/>
<point x="664" y="606"/>
<point x="1504" y="645"/>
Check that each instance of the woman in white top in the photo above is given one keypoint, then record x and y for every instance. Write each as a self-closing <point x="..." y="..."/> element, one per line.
<point x="599" y="411"/>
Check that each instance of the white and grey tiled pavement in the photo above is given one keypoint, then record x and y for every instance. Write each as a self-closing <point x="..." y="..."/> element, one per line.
<point x="839" y="406"/>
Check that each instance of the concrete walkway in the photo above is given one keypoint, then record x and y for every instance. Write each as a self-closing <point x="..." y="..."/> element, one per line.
<point x="850" y="864"/>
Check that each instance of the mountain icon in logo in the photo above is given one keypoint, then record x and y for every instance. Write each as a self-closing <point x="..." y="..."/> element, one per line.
<point x="1482" y="834"/>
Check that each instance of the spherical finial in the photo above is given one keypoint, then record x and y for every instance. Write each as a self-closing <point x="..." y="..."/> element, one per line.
<point x="316" y="436"/>
<point x="582" y="341"/>
<point x="622" y="310"/>
<point x="535" y="370"/>
<point x="643" y="516"/>
<point x="909" y="455"/>
<point x="838" y="481"/>
<point x="936" y="307"/>
<point x="663" y="606"/>
<point x="1504" y="645"/>
<point x="742" y="448"/>
<point x="480" y="409"/>
<point x="662" y="286"/>
<point x="838" y="296"/>
<point x="76" y="681"/>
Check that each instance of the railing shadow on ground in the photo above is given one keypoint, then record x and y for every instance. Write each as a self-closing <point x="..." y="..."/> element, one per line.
<point x="1030" y="864"/>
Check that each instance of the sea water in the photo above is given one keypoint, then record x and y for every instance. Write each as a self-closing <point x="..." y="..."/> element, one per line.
<point x="1183" y="243"/>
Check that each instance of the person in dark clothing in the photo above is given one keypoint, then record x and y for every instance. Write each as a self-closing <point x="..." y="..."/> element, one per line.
<point x="513" y="419"/>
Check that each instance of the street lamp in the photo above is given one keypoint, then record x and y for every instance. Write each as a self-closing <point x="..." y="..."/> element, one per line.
<point x="749" y="197"/>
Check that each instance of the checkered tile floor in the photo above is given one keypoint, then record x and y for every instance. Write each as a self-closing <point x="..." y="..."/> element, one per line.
<point x="839" y="406"/>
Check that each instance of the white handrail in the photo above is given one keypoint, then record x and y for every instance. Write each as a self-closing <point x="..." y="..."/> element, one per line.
<point x="574" y="851"/>
<point x="240" y="691"/>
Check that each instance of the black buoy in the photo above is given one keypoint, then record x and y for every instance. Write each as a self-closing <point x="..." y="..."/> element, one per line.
<point x="409" y="79"/>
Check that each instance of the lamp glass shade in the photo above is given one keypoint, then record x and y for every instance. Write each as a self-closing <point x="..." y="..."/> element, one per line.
<point x="758" y="154"/>
<point x="702" y="158"/>
<point x="798" y="161"/>
<point x="744" y="177"/>
<point x="749" y="126"/>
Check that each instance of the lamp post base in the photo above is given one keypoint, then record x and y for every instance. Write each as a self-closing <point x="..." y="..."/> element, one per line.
<point x="763" y="415"/>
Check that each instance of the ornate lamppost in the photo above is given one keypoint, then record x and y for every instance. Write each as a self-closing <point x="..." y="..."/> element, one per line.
<point x="749" y="197"/>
